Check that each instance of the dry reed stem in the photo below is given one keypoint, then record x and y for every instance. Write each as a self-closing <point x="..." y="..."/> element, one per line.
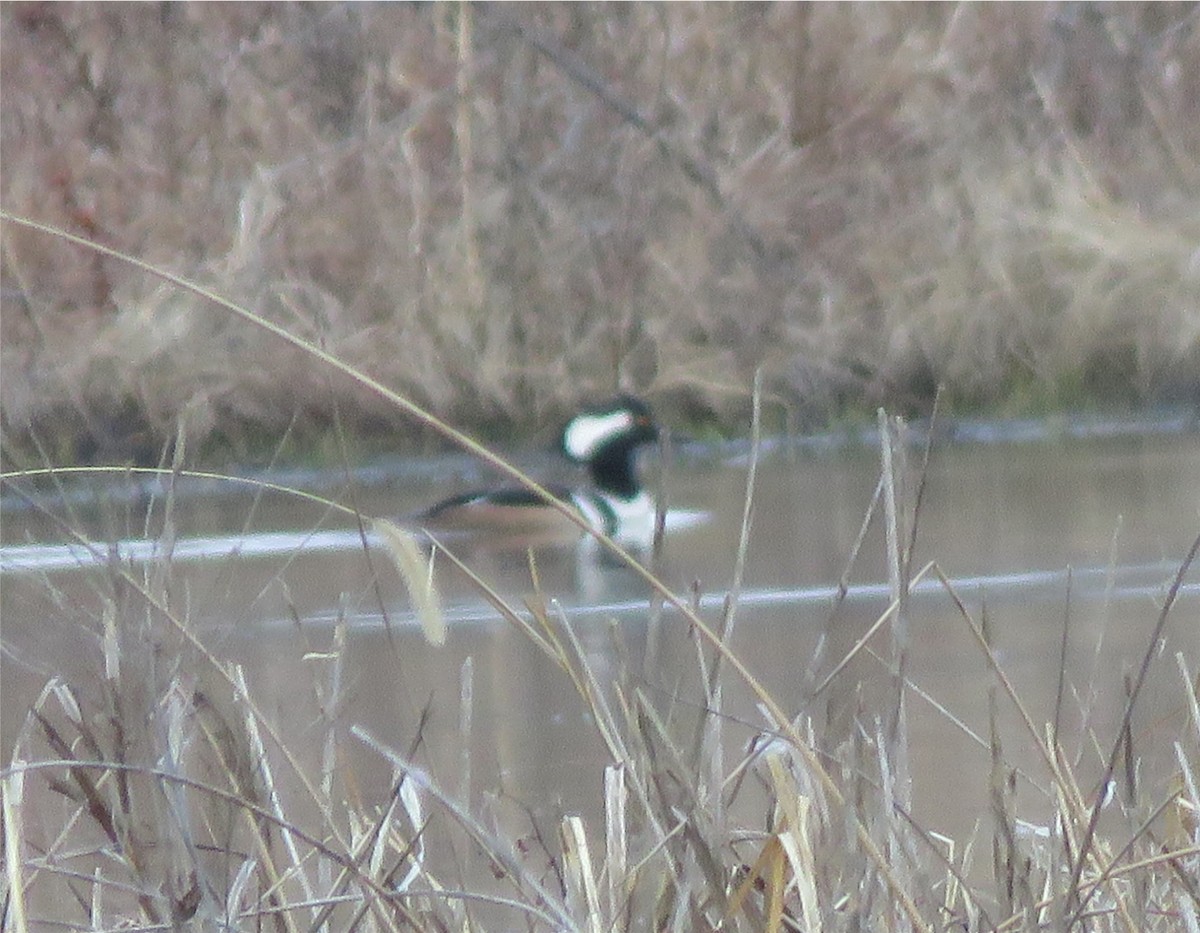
<point x="583" y="896"/>
<point x="616" y="839"/>
<point x="248" y="787"/>
<point x="794" y="836"/>
<point x="11" y="793"/>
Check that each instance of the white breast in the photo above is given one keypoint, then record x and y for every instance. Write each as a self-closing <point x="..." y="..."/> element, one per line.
<point x="629" y="522"/>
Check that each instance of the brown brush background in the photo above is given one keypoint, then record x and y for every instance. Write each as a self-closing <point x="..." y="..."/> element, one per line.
<point x="502" y="210"/>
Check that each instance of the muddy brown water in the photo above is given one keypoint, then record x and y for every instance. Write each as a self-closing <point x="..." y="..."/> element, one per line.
<point x="1004" y="521"/>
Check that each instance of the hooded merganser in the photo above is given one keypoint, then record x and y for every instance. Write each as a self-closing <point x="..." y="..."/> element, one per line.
<point x="605" y="439"/>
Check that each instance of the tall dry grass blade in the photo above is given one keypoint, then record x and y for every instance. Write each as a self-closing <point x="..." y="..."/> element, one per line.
<point x="1128" y="754"/>
<point x="466" y="714"/>
<point x="739" y="565"/>
<point x="910" y="547"/>
<point x="1008" y="863"/>
<point x="96" y="907"/>
<point x="638" y="781"/>
<point x="1069" y="809"/>
<point x="1183" y="816"/>
<point x="800" y="856"/>
<point x="891" y="514"/>
<point x="1191" y="691"/>
<point x="843" y="585"/>
<point x="237" y="890"/>
<point x="417" y="573"/>
<point x="411" y="801"/>
<point x="361" y="522"/>
<point x="560" y="652"/>
<point x="12" y="789"/>
<point x="23" y="752"/>
<point x="161" y="569"/>
<point x="1092" y="693"/>
<point x="776" y="888"/>
<point x="654" y="617"/>
<point x="331" y="703"/>
<point x="549" y="635"/>
<point x="110" y="643"/>
<point x="1062" y="664"/>
<point x="954" y="886"/>
<point x="583" y="896"/>
<point x="616" y="840"/>
<point x="894" y="474"/>
<point x="895" y="792"/>
<point x="709" y="745"/>
<point x="248" y="787"/>
<point x="176" y="709"/>
<point x="670" y="765"/>
<point x="796" y="838"/>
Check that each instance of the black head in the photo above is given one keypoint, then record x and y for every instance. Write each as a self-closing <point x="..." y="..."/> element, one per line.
<point x="606" y="437"/>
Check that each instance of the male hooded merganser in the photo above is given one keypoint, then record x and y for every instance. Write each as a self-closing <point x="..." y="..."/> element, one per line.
<point x="605" y="439"/>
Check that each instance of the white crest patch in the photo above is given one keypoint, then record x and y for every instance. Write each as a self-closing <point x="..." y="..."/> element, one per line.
<point x="588" y="433"/>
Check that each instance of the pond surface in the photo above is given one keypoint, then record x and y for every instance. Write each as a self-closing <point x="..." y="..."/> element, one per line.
<point x="1035" y="536"/>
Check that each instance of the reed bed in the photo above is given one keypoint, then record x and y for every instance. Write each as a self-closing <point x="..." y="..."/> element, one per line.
<point x="160" y="795"/>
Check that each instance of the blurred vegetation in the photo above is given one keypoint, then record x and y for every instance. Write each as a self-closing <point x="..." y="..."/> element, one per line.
<point x="503" y="210"/>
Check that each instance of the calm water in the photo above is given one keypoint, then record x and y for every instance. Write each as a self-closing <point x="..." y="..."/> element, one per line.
<point x="1004" y="521"/>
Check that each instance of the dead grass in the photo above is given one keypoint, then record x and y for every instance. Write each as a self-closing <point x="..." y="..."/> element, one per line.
<point x="153" y="796"/>
<point x="500" y="211"/>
